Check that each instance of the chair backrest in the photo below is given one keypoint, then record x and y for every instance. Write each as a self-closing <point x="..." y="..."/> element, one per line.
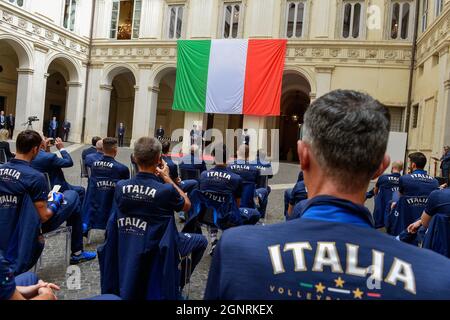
<point x="437" y="237"/>
<point x="3" y="157"/>
<point x="382" y="199"/>
<point x="98" y="200"/>
<point x="263" y="181"/>
<point x="133" y="167"/>
<point x="140" y="258"/>
<point x="83" y="168"/>
<point x="188" y="174"/>
<point x="248" y="195"/>
<point x="47" y="179"/>
<point x="407" y="210"/>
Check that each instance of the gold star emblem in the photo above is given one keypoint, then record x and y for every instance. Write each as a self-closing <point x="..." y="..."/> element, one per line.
<point x="339" y="282"/>
<point x="357" y="293"/>
<point x="320" y="287"/>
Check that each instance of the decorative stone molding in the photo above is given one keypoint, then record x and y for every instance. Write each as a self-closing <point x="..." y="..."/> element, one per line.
<point x="324" y="69"/>
<point x="74" y="84"/>
<point x="154" y="89"/>
<point x="40" y="48"/>
<point x="25" y="71"/>
<point x="447" y="84"/>
<point x="145" y="65"/>
<point x="106" y="87"/>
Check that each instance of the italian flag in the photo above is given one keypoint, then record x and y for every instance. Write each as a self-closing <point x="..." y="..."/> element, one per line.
<point x="230" y="76"/>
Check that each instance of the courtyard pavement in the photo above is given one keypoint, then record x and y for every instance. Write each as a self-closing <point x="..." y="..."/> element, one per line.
<point x="54" y="269"/>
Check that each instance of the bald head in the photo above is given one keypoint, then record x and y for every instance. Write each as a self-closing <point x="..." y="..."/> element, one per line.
<point x="99" y="146"/>
<point x="397" y="166"/>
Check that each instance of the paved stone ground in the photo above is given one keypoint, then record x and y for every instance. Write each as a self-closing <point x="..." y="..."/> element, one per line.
<point x="54" y="268"/>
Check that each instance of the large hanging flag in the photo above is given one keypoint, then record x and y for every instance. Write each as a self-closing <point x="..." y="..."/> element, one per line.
<point x="230" y="76"/>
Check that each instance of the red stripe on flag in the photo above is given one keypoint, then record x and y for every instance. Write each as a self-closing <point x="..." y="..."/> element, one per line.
<point x="263" y="77"/>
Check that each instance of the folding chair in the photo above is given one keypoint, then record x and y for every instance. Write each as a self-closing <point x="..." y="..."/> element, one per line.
<point x="3" y="158"/>
<point x="263" y="181"/>
<point x="437" y="237"/>
<point x="83" y="171"/>
<point x="407" y="210"/>
<point x="188" y="174"/>
<point x="133" y="167"/>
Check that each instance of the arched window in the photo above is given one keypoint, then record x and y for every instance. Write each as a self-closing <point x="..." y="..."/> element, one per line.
<point x="352" y="21"/>
<point x="295" y="18"/>
<point x="125" y="19"/>
<point x="175" y="21"/>
<point x="70" y="8"/>
<point x="231" y="20"/>
<point x="400" y="26"/>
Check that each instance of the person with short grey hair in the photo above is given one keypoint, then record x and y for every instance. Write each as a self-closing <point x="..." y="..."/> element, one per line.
<point x="332" y="251"/>
<point x="165" y="198"/>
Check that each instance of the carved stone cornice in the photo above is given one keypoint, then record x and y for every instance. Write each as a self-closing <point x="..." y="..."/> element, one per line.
<point x="25" y="71"/>
<point x="106" y="87"/>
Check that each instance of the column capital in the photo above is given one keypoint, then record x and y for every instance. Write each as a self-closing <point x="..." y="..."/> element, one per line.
<point x="25" y="71"/>
<point x="147" y="66"/>
<point x="153" y="89"/>
<point x="106" y="87"/>
<point x="136" y="88"/>
<point x="442" y="51"/>
<point x="97" y="65"/>
<point x="324" y="69"/>
<point x="41" y="48"/>
<point x="46" y="75"/>
<point x="74" y="84"/>
<point x="312" y="95"/>
<point x="447" y="84"/>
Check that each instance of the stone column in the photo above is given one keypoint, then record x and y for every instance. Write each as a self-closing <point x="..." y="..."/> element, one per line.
<point x="190" y="118"/>
<point x="323" y="79"/>
<point x="37" y="107"/>
<point x="24" y="98"/>
<point x="257" y="124"/>
<point x="93" y="114"/>
<point x="102" y="115"/>
<point x="442" y="120"/>
<point x="143" y="123"/>
<point x="74" y="110"/>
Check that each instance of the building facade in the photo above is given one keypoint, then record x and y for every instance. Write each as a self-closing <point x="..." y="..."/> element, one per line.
<point x="99" y="63"/>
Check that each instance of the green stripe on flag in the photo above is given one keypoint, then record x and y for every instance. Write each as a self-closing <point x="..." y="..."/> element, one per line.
<point x="192" y="75"/>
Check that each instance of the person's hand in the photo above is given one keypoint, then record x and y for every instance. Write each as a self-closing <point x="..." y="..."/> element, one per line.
<point x="178" y="181"/>
<point x="413" y="227"/>
<point x="393" y="205"/>
<point x="59" y="143"/>
<point x="163" y="171"/>
<point x="443" y="186"/>
<point x="48" y="292"/>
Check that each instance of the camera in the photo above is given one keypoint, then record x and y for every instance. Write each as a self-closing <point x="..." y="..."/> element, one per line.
<point x="32" y="119"/>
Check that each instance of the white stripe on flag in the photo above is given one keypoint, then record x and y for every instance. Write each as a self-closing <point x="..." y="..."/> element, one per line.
<point x="226" y="76"/>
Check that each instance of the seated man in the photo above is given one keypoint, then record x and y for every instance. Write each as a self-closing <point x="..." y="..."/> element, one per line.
<point x="186" y="185"/>
<point x="192" y="161"/>
<point x="91" y="158"/>
<point x="418" y="182"/>
<point x="167" y="197"/>
<point x="288" y="194"/>
<point x="222" y="180"/>
<point x="389" y="183"/>
<point x="91" y="149"/>
<point x="105" y="173"/>
<point x="332" y="251"/>
<point x="26" y="286"/>
<point x="249" y="173"/>
<point x="298" y="194"/>
<point x="18" y="178"/>
<point x="438" y="203"/>
<point x="48" y="162"/>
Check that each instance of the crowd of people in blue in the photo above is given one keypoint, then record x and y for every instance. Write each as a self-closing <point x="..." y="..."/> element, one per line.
<point x="330" y="247"/>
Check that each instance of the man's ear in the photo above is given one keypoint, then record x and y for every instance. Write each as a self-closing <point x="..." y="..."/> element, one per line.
<point x="303" y="151"/>
<point x="383" y="166"/>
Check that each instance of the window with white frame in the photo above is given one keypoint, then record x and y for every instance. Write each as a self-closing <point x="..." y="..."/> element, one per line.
<point x="438" y="6"/>
<point x="125" y="19"/>
<point x="175" y="22"/>
<point x="400" y="27"/>
<point x="424" y="14"/>
<point x="18" y="3"/>
<point x="70" y="9"/>
<point x="231" y="20"/>
<point x="352" y="19"/>
<point x="295" y="19"/>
